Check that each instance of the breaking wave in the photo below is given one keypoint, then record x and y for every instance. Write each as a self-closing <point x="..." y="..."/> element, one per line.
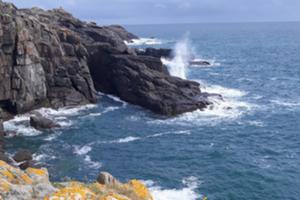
<point x="186" y="193"/>
<point x="20" y="124"/>
<point x="144" y="41"/>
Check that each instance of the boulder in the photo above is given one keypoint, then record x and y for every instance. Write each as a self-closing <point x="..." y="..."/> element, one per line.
<point x="42" y="123"/>
<point x="23" y="155"/>
<point x="106" y="178"/>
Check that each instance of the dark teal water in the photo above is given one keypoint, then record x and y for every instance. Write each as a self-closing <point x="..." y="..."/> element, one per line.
<point x="251" y="151"/>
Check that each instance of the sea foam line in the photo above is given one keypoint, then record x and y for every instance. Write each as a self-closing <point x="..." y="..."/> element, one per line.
<point x="186" y="193"/>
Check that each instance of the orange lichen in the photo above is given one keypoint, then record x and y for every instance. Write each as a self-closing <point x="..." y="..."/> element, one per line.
<point x="26" y="179"/>
<point x="140" y="189"/>
<point x="74" y="192"/>
<point x="39" y="172"/>
<point x="113" y="196"/>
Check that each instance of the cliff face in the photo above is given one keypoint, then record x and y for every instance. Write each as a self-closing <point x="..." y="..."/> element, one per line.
<point x="50" y="58"/>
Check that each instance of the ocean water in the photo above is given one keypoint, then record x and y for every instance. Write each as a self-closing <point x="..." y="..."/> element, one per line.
<point x="246" y="146"/>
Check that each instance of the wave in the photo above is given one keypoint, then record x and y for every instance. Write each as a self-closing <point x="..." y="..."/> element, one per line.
<point x="82" y="150"/>
<point x="186" y="193"/>
<point x="144" y="41"/>
<point x="126" y="140"/>
<point x="183" y="52"/>
<point x="230" y="107"/>
<point x="92" y="164"/>
<point x="20" y="124"/>
<point x="286" y="103"/>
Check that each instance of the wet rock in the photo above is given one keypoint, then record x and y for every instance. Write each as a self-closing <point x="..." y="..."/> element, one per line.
<point x="135" y="80"/>
<point x="42" y="123"/>
<point x="23" y="155"/>
<point x="4" y="157"/>
<point x="158" y="53"/>
<point x="200" y="62"/>
<point x="27" y="164"/>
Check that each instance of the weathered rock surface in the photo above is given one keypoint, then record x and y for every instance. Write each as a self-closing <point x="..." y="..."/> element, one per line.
<point x="34" y="184"/>
<point x="50" y="58"/>
<point x="42" y="123"/>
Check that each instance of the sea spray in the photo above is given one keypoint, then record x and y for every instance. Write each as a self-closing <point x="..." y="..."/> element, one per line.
<point x="183" y="53"/>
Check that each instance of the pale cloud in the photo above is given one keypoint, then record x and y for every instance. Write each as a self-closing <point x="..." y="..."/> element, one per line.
<point x="174" y="11"/>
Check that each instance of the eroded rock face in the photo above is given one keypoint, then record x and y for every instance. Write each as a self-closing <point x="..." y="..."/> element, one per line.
<point x="135" y="80"/>
<point x="41" y="62"/>
<point x="50" y="58"/>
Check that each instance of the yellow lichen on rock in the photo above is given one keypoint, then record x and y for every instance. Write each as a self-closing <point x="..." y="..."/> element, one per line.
<point x="114" y="197"/>
<point x="32" y="183"/>
<point x="75" y="191"/>
<point x="140" y="190"/>
<point x="4" y="186"/>
<point x="38" y="172"/>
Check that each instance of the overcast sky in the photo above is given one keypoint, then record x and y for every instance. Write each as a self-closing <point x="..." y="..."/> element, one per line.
<point x="173" y="11"/>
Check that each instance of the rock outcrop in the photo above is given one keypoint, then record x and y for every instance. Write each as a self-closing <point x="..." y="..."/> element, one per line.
<point x="34" y="184"/>
<point x="42" y="123"/>
<point x="50" y="58"/>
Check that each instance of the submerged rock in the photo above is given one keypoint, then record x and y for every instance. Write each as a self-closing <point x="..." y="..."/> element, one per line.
<point x="42" y="123"/>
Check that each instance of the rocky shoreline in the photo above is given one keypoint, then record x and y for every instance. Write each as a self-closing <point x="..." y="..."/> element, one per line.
<point x="48" y="58"/>
<point x="34" y="184"/>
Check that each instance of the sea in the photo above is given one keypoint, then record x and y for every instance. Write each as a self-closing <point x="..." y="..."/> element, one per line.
<point x="244" y="147"/>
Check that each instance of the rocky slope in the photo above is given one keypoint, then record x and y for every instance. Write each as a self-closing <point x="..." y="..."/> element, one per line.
<point x="34" y="184"/>
<point x="50" y="58"/>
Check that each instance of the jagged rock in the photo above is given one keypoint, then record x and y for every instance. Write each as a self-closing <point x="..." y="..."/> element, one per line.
<point x="50" y="58"/>
<point x="23" y="155"/>
<point x="41" y="123"/>
<point x="158" y="53"/>
<point x="136" y="81"/>
<point x="122" y="32"/>
<point x="24" y="185"/>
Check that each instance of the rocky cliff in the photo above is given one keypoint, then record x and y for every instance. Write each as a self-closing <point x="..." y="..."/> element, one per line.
<point x="49" y="58"/>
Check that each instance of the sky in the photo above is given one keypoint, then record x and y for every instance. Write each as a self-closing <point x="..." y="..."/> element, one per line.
<point x="173" y="11"/>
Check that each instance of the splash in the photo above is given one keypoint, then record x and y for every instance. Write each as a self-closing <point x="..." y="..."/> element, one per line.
<point x="183" y="52"/>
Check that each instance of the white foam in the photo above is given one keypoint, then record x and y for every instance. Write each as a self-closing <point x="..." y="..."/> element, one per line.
<point x="186" y="193"/>
<point x="126" y="139"/>
<point x="183" y="53"/>
<point x="116" y="99"/>
<point x="230" y="107"/>
<point x="286" y="103"/>
<point x="92" y="164"/>
<point x="20" y="124"/>
<point x="83" y="150"/>
<point x="144" y="41"/>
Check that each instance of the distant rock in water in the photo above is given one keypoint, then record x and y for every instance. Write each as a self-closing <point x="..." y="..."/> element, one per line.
<point x="199" y="62"/>
<point x="51" y="59"/>
<point x="41" y="123"/>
